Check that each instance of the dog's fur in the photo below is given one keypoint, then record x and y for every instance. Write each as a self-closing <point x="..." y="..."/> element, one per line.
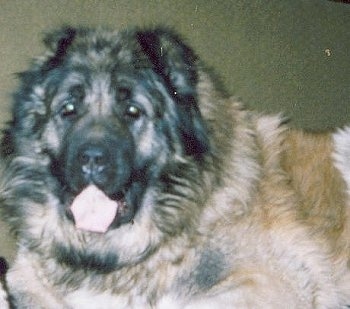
<point x="225" y="208"/>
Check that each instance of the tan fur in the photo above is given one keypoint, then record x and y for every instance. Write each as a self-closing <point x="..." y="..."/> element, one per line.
<point x="324" y="202"/>
<point x="308" y="160"/>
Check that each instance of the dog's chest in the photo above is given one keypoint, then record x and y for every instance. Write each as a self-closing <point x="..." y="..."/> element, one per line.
<point x="88" y="299"/>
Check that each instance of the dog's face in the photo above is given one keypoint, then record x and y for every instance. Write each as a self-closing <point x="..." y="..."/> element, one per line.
<point x="117" y="111"/>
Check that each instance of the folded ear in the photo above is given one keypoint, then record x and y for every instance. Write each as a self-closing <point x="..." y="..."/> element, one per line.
<point x="176" y="63"/>
<point x="171" y="58"/>
<point x="58" y="42"/>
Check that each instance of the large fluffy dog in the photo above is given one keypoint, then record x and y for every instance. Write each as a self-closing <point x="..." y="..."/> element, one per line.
<point x="132" y="182"/>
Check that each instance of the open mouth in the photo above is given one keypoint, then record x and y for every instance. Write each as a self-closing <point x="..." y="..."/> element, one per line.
<point x="92" y="210"/>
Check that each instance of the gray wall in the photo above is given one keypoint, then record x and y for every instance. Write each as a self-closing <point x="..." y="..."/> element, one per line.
<point x="277" y="55"/>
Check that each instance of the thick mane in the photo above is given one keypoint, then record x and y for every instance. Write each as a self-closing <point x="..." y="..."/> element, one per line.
<point x="131" y="180"/>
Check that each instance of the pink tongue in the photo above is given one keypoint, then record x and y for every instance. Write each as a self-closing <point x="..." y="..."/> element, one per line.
<point x="93" y="210"/>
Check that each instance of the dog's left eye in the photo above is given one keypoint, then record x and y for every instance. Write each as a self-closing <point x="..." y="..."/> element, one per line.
<point x="132" y="111"/>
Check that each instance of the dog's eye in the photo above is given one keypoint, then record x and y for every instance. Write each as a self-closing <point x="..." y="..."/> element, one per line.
<point x="133" y="112"/>
<point x="68" y="109"/>
<point x="70" y="104"/>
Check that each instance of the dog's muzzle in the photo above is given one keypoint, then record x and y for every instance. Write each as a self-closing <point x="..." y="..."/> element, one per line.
<point x="101" y="155"/>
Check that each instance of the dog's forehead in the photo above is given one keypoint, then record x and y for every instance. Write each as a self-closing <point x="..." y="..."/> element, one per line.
<point x="103" y="62"/>
<point x="104" y="50"/>
<point x="99" y="89"/>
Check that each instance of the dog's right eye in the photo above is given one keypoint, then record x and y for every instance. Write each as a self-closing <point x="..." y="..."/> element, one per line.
<point x="70" y="104"/>
<point x="68" y="109"/>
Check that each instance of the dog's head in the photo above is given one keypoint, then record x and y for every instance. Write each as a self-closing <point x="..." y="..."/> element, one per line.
<point x="116" y="110"/>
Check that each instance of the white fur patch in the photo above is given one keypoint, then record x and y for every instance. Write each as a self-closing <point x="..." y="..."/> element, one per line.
<point x="3" y="298"/>
<point x="87" y="299"/>
<point x="342" y="153"/>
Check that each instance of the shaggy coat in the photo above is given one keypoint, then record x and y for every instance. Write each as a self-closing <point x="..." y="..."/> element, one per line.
<point x="219" y="207"/>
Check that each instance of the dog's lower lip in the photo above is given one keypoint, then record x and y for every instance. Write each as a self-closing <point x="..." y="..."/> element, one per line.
<point x="69" y="214"/>
<point x="122" y="207"/>
<point x="117" y="196"/>
<point x="120" y="199"/>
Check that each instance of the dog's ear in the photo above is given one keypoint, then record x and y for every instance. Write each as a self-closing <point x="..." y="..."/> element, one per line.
<point x="58" y="42"/>
<point x="176" y="63"/>
<point x="7" y="143"/>
<point x="171" y="58"/>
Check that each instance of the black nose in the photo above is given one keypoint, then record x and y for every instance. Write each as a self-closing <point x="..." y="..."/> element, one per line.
<point x="93" y="160"/>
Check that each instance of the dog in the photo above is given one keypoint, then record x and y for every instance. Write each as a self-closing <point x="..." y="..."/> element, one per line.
<point x="131" y="180"/>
